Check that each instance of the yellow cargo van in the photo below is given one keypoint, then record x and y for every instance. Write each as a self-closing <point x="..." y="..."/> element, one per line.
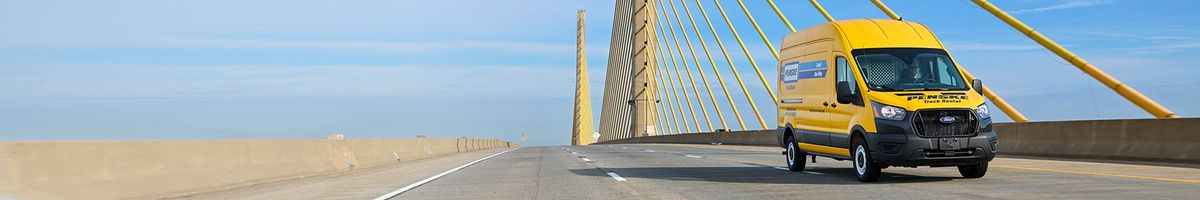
<point x="881" y="93"/>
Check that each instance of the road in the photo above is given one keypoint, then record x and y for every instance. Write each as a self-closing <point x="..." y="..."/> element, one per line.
<point x="662" y="171"/>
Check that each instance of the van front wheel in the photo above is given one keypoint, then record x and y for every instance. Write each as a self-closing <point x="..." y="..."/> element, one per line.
<point x="973" y="171"/>
<point x="864" y="166"/>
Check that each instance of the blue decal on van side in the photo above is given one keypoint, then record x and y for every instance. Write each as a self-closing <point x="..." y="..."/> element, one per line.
<point x="790" y="72"/>
<point x="813" y="74"/>
<point x="794" y="71"/>
<point x="820" y="64"/>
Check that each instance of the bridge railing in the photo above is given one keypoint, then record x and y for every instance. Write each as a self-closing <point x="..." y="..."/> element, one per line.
<point x="1159" y="140"/>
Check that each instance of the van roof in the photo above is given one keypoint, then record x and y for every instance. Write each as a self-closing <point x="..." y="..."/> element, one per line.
<point x="882" y="33"/>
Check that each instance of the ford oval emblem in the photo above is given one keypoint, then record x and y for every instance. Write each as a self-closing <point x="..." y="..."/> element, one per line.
<point x="947" y="119"/>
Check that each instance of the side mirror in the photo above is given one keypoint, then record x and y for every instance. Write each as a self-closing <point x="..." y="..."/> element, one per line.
<point x="977" y="85"/>
<point x="844" y="95"/>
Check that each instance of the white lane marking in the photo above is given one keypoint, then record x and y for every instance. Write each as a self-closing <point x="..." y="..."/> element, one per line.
<point x="573" y="152"/>
<point x="782" y="168"/>
<point x="586" y="159"/>
<point x="615" y="176"/>
<point x="625" y="147"/>
<point x="812" y="172"/>
<point x="431" y="178"/>
<point x="651" y="151"/>
<point x="691" y="156"/>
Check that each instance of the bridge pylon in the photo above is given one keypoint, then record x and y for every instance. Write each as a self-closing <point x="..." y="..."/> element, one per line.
<point x="582" y="126"/>
<point x="644" y="99"/>
<point x="630" y="92"/>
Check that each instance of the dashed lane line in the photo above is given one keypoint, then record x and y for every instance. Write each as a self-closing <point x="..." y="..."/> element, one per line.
<point x="615" y="176"/>
<point x="612" y="174"/>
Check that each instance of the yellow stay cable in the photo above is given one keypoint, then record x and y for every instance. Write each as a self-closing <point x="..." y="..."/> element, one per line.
<point x="728" y="60"/>
<point x="781" y="17"/>
<point x="681" y="88"/>
<point x="670" y="108"/>
<point x="688" y="71"/>
<point x="699" y="69"/>
<point x="746" y="51"/>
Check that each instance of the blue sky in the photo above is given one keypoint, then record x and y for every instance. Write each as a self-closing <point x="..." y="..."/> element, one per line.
<point x="493" y="69"/>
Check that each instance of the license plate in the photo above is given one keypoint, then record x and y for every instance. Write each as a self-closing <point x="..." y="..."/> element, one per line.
<point x="950" y="143"/>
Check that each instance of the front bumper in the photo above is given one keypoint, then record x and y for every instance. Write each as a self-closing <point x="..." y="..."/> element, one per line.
<point x="896" y="144"/>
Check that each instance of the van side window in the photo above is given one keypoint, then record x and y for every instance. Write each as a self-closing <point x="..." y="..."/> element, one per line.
<point x="844" y="74"/>
<point x="945" y="78"/>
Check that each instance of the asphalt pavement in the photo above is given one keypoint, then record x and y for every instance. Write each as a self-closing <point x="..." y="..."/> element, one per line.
<point x="668" y="171"/>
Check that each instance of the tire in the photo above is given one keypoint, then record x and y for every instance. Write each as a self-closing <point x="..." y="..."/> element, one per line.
<point x="795" y="159"/>
<point x="864" y="166"/>
<point x="973" y="171"/>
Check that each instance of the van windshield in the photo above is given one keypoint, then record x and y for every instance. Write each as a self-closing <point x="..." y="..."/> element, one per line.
<point x="908" y="69"/>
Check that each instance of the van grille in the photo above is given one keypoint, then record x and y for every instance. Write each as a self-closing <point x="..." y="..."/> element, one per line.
<point x="928" y="123"/>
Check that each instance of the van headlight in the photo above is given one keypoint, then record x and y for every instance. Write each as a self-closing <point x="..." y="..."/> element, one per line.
<point x="982" y="111"/>
<point x="888" y="112"/>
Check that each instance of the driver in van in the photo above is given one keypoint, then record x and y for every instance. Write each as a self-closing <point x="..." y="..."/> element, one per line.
<point x="912" y="74"/>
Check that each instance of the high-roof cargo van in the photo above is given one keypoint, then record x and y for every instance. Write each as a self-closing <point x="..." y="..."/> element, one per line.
<point x="880" y="93"/>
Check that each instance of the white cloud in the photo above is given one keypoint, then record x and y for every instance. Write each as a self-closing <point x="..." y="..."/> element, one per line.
<point x="1182" y="46"/>
<point x="977" y="46"/>
<point x="222" y="82"/>
<point x="422" y="47"/>
<point x="374" y="26"/>
<point x="1065" y="5"/>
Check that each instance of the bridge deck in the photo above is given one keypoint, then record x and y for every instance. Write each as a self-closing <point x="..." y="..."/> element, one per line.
<point x="662" y="171"/>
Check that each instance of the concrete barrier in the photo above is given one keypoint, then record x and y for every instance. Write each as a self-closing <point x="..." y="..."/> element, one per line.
<point x="1161" y="140"/>
<point x="749" y="138"/>
<point x="157" y="169"/>
<point x="1164" y="140"/>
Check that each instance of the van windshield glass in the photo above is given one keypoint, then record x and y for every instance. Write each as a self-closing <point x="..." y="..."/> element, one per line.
<point x="908" y="69"/>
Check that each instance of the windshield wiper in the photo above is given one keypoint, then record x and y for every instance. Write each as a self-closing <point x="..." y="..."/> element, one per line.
<point x="884" y="87"/>
<point x="926" y="89"/>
